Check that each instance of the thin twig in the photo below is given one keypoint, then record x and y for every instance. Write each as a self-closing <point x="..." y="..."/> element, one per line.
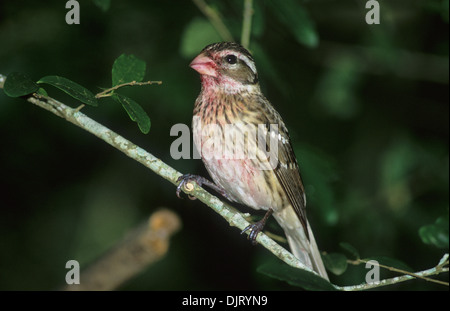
<point x="359" y="261"/>
<point x="440" y="268"/>
<point x="214" y="19"/>
<point x="108" y="92"/>
<point x="247" y="23"/>
<point x="80" y="107"/>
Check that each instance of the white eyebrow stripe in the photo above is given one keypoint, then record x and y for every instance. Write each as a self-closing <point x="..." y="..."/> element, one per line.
<point x="244" y="58"/>
<point x="250" y="63"/>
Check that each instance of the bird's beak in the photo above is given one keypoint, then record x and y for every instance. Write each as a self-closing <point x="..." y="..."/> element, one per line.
<point x="204" y="65"/>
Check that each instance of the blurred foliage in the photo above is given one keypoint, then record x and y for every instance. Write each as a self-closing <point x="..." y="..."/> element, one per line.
<point x="103" y="4"/>
<point x="198" y="34"/>
<point x="367" y="108"/>
<point x="336" y="263"/>
<point x="296" y="19"/>
<point x="436" y="234"/>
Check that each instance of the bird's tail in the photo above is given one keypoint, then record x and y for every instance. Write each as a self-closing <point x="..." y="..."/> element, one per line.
<point x="305" y="250"/>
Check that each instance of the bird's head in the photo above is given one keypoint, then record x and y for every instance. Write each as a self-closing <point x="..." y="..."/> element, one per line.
<point x="228" y="66"/>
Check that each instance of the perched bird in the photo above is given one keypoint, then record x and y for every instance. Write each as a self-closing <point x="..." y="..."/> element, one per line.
<point x="234" y="125"/>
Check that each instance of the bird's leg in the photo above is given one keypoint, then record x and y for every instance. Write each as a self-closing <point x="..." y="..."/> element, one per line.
<point x="186" y="178"/>
<point x="257" y="227"/>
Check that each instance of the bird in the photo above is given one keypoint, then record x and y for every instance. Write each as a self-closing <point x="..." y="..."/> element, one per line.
<point x="246" y="149"/>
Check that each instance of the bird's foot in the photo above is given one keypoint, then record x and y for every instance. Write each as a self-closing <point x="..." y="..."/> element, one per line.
<point x="187" y="179"/>
<point x="257" y="227"/>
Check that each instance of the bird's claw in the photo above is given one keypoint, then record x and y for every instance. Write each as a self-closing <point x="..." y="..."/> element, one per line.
<point x="255" y="229"/>
<point x="187" y="179"/>
<point x="184" y="181"/>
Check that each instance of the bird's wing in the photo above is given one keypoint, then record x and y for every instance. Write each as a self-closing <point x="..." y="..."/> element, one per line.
<point x="286" y="169"/>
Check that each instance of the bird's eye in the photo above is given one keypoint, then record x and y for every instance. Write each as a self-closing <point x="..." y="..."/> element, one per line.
<point x="231" y="59"/>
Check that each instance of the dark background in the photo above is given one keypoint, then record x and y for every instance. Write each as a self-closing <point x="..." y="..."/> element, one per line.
<point x="367" y="109"/>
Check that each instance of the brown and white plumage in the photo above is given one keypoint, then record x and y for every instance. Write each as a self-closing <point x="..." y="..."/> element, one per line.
<point x="231" y="95"/>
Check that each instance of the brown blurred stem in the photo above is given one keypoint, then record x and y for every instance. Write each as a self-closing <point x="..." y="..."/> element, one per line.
<point x="2" y="80"/>
<point x="142" y="246"/>
<point x="247" y="23"/>
<point x="215" y="19"/>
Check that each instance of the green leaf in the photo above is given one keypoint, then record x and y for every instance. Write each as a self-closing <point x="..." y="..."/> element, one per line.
<point x="42" y="91"/>
<point x="127" y="68"/>
<point x="296" y="19"/>
<point x="336" y="263"/>
<point x="71" y="88"/>
<point x="18" y="84"/>
<point x="295" y="277"/>
<point x="135" y="112"/>
<point x="436" y="234"/>
<point x="391" y="262"/>
<point x="196" y="36"/>
<point x="350" y="250"/>
<point x="103" y="4"/>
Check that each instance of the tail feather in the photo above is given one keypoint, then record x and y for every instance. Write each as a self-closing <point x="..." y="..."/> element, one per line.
<point x="306" y="251"/>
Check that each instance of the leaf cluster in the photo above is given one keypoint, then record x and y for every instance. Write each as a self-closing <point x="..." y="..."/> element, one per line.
<point x="127" y="70"/>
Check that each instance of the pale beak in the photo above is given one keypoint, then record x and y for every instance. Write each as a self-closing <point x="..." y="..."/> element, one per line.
<point x="204" y="65"/>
